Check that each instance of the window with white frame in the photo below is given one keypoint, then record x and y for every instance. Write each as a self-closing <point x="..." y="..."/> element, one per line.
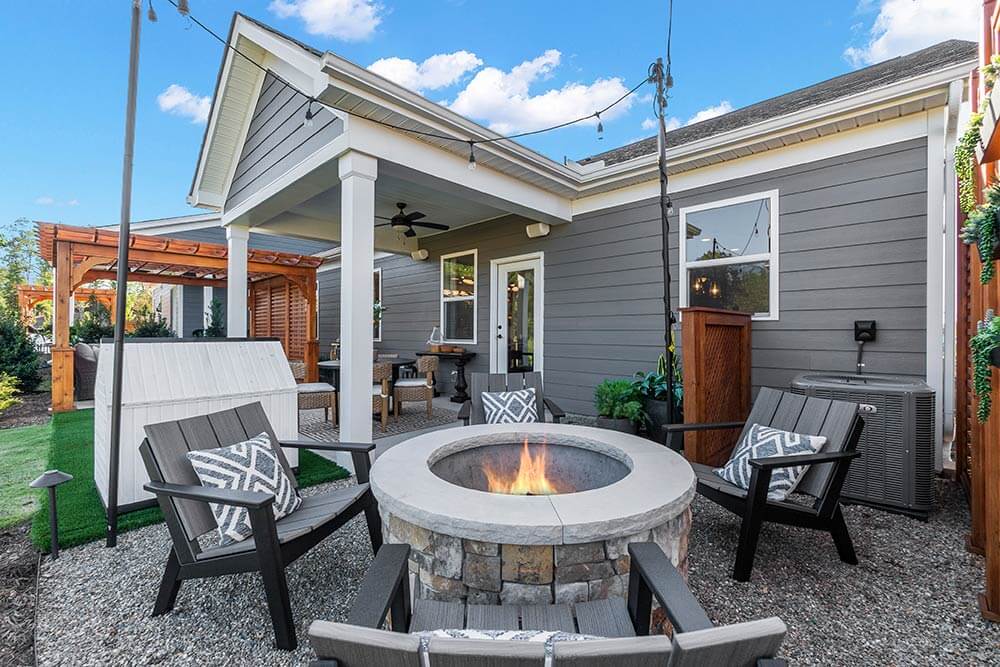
<point x="458" y="296"/>
<point x="729" y="255"/>
<point x="377" y="308"/>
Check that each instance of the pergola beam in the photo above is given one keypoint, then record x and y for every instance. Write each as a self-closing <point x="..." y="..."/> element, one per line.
<point x="98" y="274"/>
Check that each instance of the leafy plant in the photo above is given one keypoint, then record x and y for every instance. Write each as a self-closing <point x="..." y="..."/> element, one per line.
<point x="377" y="310"/>
<point x="619" y="399"/>
<point x="150" y="324"/>
<point x="216" y="323"/>
<point x="991" y="71"/>
<point x="983" y="344"/>
<point x="8" y="392"/>
<point x="18" y="358"/>
<point x="981" y="229"/>
<point x="95" y="323"/>
<point x="653" y="384"/>
<point x="965" y="163"/>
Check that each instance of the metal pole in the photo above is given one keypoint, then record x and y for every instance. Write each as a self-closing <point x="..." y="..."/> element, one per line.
<point x="53" y="524"/>
<point x="662" y="84"/>
<point x="122" y="277"/>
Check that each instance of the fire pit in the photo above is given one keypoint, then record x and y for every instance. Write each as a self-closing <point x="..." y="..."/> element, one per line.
<point x="530" y="513"/>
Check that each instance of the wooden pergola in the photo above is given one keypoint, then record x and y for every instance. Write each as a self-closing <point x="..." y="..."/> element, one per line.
<point x="81" y="255"/>
<point x="29" y="296"/>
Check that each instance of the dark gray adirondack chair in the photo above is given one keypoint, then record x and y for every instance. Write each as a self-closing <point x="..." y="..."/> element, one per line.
<point x="625" y="626"/>
<point x="472" y="410"/>
<point x="838" y="421"/>
<point x="275" y="544"/>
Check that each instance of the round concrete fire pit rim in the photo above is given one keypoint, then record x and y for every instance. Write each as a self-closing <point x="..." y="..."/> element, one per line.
<point x="659" y="487"/>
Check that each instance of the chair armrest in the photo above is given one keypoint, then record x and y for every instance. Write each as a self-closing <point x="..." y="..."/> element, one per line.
<point x="465" y="412"/>
<point x="385" y="586"/>
<point x="359" y="447"/>
<point x="557" y="412"/>
<point x="239" y="498"/>
<point x="772" y="462"/>
<point x="658" y="577"/>
<point x="684" y="428"/>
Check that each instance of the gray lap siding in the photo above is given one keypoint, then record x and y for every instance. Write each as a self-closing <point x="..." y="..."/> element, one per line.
<point x="853" y="246"/>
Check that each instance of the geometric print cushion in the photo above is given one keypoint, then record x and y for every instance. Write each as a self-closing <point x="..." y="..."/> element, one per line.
<point x="247" y="466"/>
<point x="548" y="637"/>
<point x="510" y="407"/>
<point x="764" y="442"/>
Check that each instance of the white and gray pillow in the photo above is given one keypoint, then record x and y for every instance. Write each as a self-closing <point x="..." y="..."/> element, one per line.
<point x="510" y="407"/>
<point x="764" y="442"/>
<point x="248" y="466"/>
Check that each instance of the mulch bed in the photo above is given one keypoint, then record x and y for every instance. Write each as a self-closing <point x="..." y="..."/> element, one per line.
<point x="33" y="409"/>
<point x="18" y="572"/>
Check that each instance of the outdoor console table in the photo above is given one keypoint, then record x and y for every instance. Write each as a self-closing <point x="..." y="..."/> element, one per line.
<point x="332" y="366"/>
<point x="460" y="359"/>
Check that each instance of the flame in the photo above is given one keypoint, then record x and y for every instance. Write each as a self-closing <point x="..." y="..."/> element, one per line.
<point x="529" y="480"/>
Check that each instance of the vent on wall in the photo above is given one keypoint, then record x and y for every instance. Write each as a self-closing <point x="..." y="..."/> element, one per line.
<point x="896" y="468"/>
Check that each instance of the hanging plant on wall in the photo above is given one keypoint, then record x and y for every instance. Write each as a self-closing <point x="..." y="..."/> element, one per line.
<point x="991" y="71"/>
<point x="965" y="163"/>
<point x="985" y="354"/>
<point x="982" y="230"/>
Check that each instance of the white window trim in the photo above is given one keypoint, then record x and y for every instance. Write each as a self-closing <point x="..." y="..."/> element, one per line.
<point x="474" y="298"/>
<point x="770" y="257"/>
<point x="381" y="290"/>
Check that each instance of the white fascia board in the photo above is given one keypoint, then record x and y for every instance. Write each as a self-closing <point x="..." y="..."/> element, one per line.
<point x="173" y="225"/>
<point x="495" y="188"/>
<point x="843" y="143"/>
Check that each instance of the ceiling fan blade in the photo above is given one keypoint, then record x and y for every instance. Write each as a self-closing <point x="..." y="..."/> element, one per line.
<point x="415" y="215"/>
<point x="409" y="232"/>
<point x="384" y="224"/>
<point x="431" y="225"/>
<point x="382" y="217"/>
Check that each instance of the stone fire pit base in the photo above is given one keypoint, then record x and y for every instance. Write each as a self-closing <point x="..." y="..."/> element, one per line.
<point x="455" y="569"/>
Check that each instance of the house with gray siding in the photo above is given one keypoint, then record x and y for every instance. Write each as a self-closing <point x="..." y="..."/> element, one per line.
<point x="829" y="204"/>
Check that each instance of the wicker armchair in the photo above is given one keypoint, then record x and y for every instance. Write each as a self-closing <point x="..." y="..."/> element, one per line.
<point x="314" y="395"/>
<point x="417" y="388"/>
<point x="382" y="391"/>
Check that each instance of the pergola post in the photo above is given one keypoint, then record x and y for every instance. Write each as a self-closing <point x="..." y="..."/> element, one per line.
<point x="312" y="331"/>
<point x="357" y="262"/>
<point x="62" y="353"/>
<point x="236" y="281"/>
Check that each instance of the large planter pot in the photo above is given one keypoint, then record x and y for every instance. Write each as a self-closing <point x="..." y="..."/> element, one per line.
<point x="995" y="357"/>
<point x="658" y="415"/>
<point x="623" y="425"/>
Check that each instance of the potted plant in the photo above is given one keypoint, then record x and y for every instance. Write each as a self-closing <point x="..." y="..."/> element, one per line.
<point x="985" y="355"/>
<point x="981" y="229"/>
<point x="619" y="407"/>
<point x="965" y="163"/>
<point x="652" y="388"/>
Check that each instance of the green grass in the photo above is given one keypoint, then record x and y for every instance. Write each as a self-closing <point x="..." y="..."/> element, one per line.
<point x="81" y="515"/>
<point x="23" y="454"/>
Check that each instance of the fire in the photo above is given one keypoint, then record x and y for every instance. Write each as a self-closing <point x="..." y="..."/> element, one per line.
<point x="529" y="480"/>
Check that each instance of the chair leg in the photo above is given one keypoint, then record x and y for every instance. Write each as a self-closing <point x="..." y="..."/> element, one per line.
<point x="374" y="522"/>
<point x="753" y="518"/>
<point x="842" y="538"/>
<point x="272" y="572"/>
<point x="333" y="407"/>
<point x="395" y="405"/>
<point x="430" y="402"/>
<point x="170" y="584"/>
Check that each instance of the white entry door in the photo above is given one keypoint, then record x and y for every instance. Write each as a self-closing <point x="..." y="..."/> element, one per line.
<point x="516" y="314"/>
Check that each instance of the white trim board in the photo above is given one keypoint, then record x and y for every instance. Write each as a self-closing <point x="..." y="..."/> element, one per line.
<point x="539" y="332"/>
<point x="475" y="297"/>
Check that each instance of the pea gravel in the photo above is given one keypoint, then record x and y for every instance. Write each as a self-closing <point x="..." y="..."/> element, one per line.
<point x="911" y="601"/>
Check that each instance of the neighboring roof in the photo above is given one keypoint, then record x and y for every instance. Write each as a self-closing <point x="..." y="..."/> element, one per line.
<point x="951" y="52"/>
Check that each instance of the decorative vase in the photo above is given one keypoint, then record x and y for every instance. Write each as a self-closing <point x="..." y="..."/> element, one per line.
<point x="622" y="425"/>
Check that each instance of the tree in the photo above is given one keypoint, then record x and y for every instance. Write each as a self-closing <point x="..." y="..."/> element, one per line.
<point x="20" y="263"/>
<point x="216" y="324"/>
<point x="95" y="323"/>
<point x="150" y="324"/>
<point x="17" y="355"/>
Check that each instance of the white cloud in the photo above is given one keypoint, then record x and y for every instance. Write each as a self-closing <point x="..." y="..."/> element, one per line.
<point x="349" y="20"/>
<point x="648" y="123"/>
<point x="180" y="101"/>
<point x="438" y="71"/>
<point x="904" y="26"/>
<point x="503" y="100"/>
<point x="48" y="200"/>
<point x="710" y="112"/>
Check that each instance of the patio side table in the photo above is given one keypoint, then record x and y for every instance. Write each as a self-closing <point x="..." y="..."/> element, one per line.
<point x="460" y="359"/>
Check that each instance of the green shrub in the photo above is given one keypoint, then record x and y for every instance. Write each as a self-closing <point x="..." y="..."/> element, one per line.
<point x="619" y="399"/>
<point x="216" y="324"/>
<point x="95" y="323"/>
<point x="150" y="324"/>
<point x="17" y="355"/>
<point x="8" y="392"/>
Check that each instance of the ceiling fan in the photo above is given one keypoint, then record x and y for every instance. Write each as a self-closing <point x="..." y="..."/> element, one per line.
<point x="405" y="222"/>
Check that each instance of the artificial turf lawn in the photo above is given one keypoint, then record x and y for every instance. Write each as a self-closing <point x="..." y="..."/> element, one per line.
<point x="81" y="515"/>
<point x="22" y="458"/>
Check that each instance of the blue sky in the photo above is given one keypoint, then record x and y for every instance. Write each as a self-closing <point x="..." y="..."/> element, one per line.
<point x="62" y="116"/>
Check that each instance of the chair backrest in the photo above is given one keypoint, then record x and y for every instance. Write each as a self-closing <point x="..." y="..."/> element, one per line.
<point x="737" y="645"/>
<point x="427" y="364"/>
<point x="381" y="371"/>
<point x="492" y="382"/>
<point x="485" y="653"/>
<point x="164" y="452"/>
<point x="836" y="420"/>
<point x="298" y="370"/>
<point x="355" y="646"/>
<point x="651" y="651"/>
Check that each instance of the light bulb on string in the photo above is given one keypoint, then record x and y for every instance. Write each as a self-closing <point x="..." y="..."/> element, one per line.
<point x="182" y="7"/>
<point x="151" y="13"/>
<point x="600" y="126"/>
<point x="310" y="114"/>
<point x="472" y="156"/>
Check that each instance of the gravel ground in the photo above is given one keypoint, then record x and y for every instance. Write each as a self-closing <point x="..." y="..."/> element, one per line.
<point x="910" y="602"/>
<point x="18" y="567"/>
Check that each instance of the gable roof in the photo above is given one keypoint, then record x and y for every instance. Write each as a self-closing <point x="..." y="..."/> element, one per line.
<point x="951" y="52"/>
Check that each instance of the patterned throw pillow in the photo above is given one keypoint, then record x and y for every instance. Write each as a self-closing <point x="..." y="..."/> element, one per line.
<point x="548" y="637"/>
<point x="247" y="466"/>
<point x="510" y="407"/>
<point x="764" y="442"/>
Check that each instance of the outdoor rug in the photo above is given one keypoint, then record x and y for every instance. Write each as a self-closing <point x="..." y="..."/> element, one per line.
<point x="412" y="418"/>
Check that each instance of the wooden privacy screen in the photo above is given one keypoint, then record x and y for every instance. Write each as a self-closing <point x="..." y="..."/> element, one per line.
<point x="280" y="309"/>
<point x="715" y="348"/>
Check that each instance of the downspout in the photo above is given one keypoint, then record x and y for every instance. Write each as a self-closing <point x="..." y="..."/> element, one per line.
<point x="949" y="282"/>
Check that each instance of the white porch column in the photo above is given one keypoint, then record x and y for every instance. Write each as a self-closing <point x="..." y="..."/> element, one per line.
<point x="236" y="281"/>
<point x="357" y="262"/>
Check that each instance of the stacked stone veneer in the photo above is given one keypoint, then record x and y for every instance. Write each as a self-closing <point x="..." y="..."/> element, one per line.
<point x="455" y="569"/>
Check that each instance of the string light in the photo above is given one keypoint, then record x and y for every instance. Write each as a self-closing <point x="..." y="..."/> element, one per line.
<point x="472" y="155"/>
<point x="600" y="126"/>
<point x="310" y="114"/>
<point x="182" y="7"/>
<point x="151" y="13"/>
<point x="670" y="206"/>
